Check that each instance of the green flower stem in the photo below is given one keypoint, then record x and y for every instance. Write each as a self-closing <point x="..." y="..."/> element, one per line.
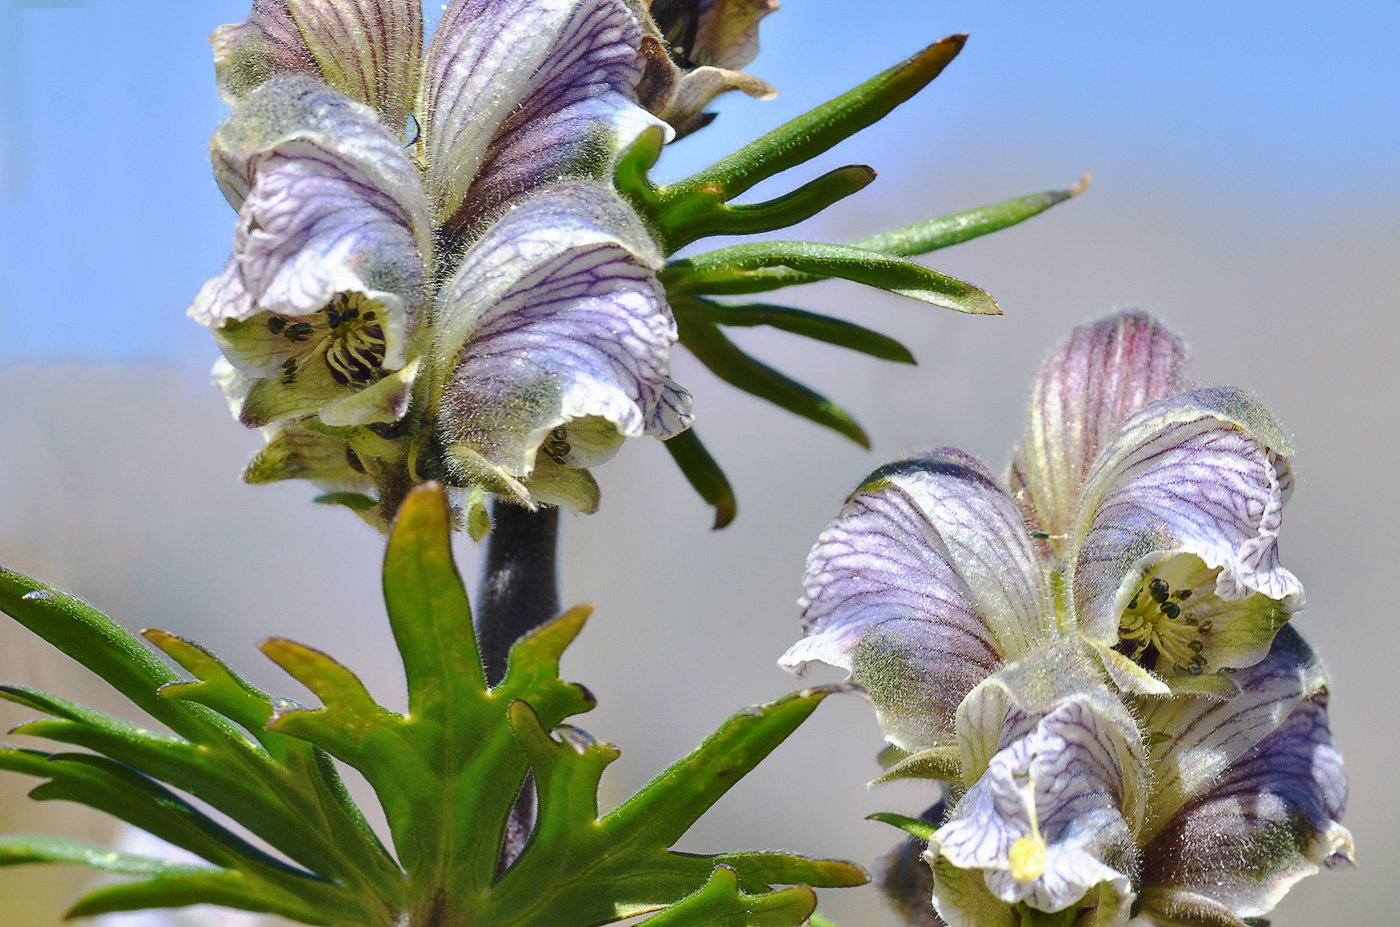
<point x="519" y="589"/>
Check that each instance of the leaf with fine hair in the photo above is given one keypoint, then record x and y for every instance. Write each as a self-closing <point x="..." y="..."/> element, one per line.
<point x="704" y="474"/>
<point x="760" y="266"/>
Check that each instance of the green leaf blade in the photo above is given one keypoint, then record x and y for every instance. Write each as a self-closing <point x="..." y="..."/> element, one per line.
<point x="740" y="370"/>
<point x="818" y="130"/>
<point x="429" y="611"/>
<point x="769" y="265"/>
<point x="704" y="474"/>
<point x="812" y="325"/>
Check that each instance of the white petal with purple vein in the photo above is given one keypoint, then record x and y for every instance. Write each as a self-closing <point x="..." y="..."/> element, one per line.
<point x="555" y="315"/>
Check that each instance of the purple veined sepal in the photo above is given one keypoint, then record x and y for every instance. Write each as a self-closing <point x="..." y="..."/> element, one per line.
<point x="1175" y="571"/>
<point x="1253" y="786"/>
<point x="368" y="50"/>
<point x="922" y="586"/>
<point x="552" y="346"/>
<point x="1055" y="786"/>
<point x="519" y="94"/>
<point x="326" y="287"/>
<point x="1093" y="379"/>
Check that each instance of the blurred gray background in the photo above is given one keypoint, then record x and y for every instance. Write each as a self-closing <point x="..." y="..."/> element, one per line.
<point x="1245" y="190"/>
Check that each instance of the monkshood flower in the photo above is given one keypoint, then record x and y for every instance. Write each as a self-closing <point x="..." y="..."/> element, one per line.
<point x="431" y="274"/>
<point x="1239" y="799"/>
<point x="998" y="633"/>
<point x="1153" y="513"/>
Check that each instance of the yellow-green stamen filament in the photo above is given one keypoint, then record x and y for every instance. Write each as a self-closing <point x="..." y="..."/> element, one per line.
<point x="1159" y="630"/>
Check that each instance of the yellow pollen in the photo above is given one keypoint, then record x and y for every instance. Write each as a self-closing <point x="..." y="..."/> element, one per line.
<point x="1027" y="856"/>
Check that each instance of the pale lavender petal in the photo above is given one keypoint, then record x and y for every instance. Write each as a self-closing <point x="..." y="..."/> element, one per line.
<point x="1195" y="740"/>
<point x="327" y="280"/>
<point x="368" y="50"/>
<point x="1270" y="820"/>
<point x="266" y="44"/>
<point x="922" y="586"/>
<point x="1093" y="379"/>
<point x="1045" y="823"/>
<point x="520" y="93"/>
<point x="1204" y="475"/>
<point x="555" y="335"/>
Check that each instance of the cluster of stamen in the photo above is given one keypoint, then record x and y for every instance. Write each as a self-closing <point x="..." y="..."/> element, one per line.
<point x="1156" y="627"/>
<point x="353" y="347"/>
<point x="556" y="446"/>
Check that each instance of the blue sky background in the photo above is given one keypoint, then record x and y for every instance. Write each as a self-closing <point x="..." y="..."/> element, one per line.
<point x="110" y="220"/>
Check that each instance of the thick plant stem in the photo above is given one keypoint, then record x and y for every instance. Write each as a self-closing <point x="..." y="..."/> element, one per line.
<point x="519" y="592"/>
<point x="519" y="589"/>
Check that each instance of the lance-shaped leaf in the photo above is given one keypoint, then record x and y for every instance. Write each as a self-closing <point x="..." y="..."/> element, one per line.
<point x="721" y="902"/>
<point x="797" y="321"/>
<point x="738" y="369"/>
<point x="954" y="229"/>
<point x="680" y="217"/>
<point x="943" y="232"/>
<point x="750" y="268"/>
<point x="815" y="132"/>
<point x="704" y="474"/>
<point x="255" y="880"/>
<point x="621" y="863"/>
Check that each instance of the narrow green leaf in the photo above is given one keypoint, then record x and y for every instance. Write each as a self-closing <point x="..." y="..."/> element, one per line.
<point x="357" y="501"/>
<point x="666" y="807"/>
<point x="567" y="774"/>
<point x="740" y="370"/>
<point x="705" y="211"/>
<point x="125" y="794"/>
<point x="215" y="686"/>
<point x="945" y="231"/>
<point x="429" y="611"/>
<point x="532" y="670"/>
<point x="720" y="903"/>
<point x="704" y="474"/>
<point x="797" y="321"/>
<point x="913" y="826"/>
<point x="106" y="648"/>
<point x="22" y="849"/>
<point x="816" y="131"/>
<point x="765" y="265"/>
<point x="227" y="888"/>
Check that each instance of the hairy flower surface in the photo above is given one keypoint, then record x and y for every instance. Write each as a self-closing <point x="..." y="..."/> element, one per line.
<point x="1093" y="659"/>
<point x="430" y="266"/>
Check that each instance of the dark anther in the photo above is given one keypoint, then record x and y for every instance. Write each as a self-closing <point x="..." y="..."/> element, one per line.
<point x="353" y="460"/>
<point x="1159" y="589"/>
<point x="1171" y="610"/>
<point x="275" y="324"/>
<point x="1183" y="594"/>
<point x="1196" y="646"/>
<point x="1206" y="627"/>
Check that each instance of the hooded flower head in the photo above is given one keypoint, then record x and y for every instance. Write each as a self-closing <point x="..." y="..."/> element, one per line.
<point x="1019" y="645"/>
<point x="430" y="266"/>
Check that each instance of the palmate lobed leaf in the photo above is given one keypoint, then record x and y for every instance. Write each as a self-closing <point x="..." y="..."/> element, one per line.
<point x="721" y="902"/>
<point x="447" y="772"/>
<point x="621" y="862"/>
